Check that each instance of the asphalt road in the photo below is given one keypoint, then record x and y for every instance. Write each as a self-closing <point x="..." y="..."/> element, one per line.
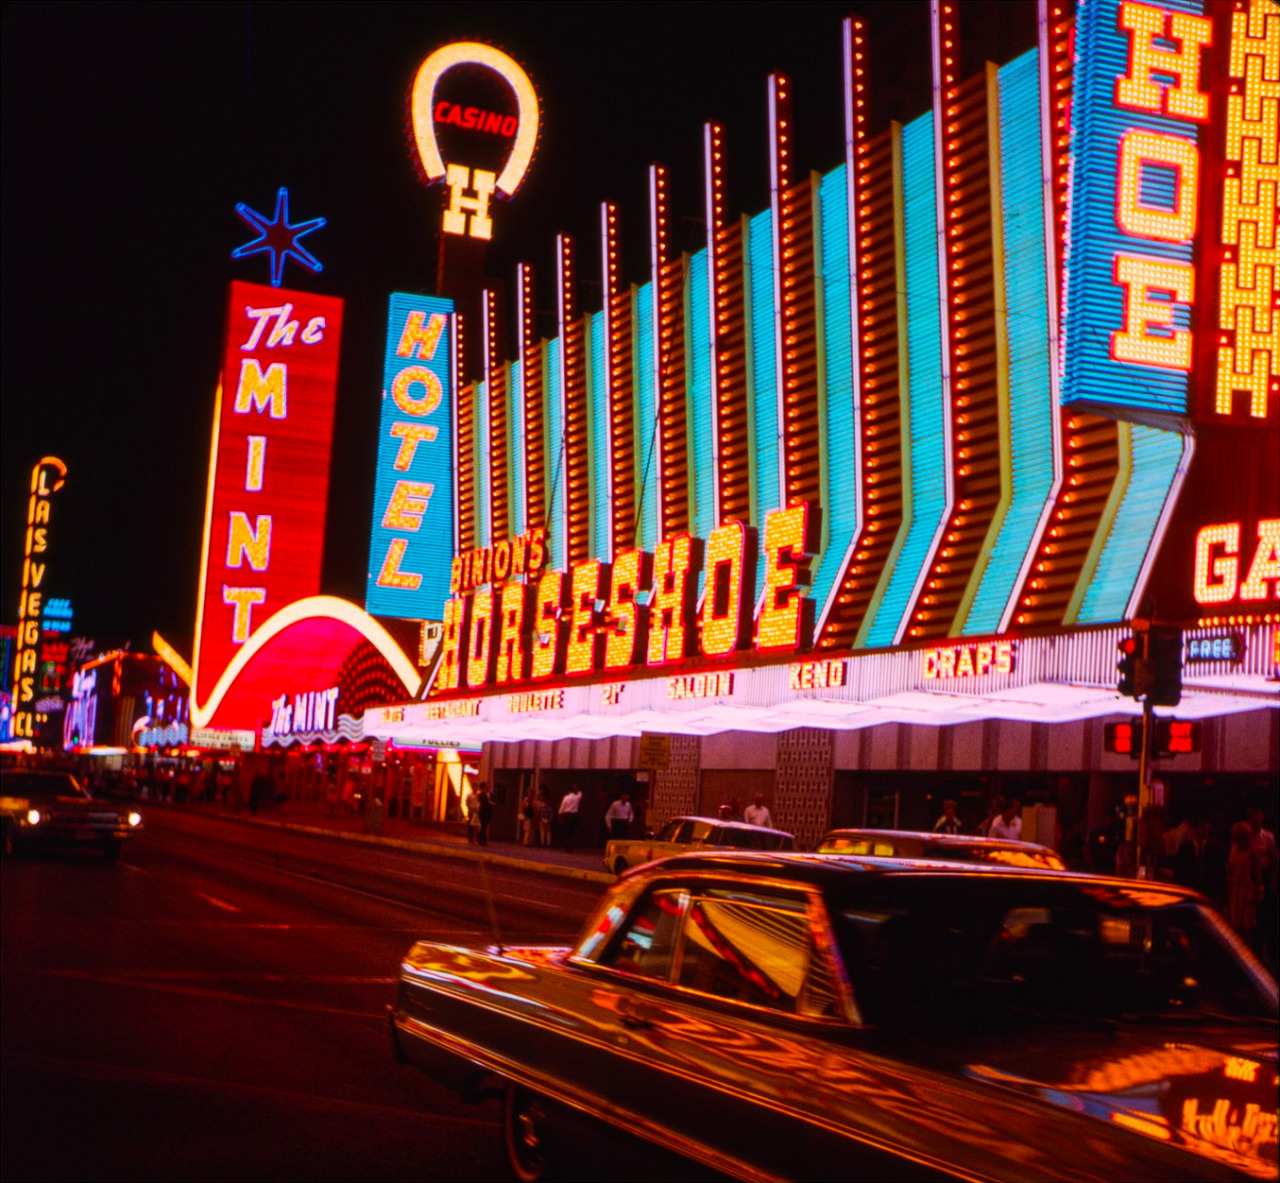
<point x="213" y="1006"/>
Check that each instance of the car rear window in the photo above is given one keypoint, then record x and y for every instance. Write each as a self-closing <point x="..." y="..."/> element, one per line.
<point x="987" y="953"/>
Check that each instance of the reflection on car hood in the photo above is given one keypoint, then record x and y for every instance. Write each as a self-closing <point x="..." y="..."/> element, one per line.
<point x="1213" y="1093"/>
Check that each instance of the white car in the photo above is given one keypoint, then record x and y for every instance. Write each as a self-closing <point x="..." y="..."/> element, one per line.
<point x="683" y="834"/>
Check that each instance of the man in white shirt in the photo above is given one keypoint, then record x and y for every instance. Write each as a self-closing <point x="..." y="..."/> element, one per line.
<point x="570" y="803"/>
<point x="757" y="813"/>
<point x="619" y="816"/>
<point x="471" y="807"/>
<point x="1009" y="823"/>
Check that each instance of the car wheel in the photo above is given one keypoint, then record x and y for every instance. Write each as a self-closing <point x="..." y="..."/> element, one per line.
<point x="111" y="849"/>
<point x="524" y="1128"/>
<point x="619" y="866"/>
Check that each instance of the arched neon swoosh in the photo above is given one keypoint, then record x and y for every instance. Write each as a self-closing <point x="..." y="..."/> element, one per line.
<point x="331" y="607"/>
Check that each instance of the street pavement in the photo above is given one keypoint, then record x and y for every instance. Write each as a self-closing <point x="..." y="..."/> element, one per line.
<point x="316" y="818"/>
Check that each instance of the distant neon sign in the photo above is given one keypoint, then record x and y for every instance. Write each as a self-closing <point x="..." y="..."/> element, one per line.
<point x="470" y="189"/>
<point x="269" y="472"/>
<point x="969" y="661"/>
<point x="1218" y="565"/>
<point x="411" y="544"/>
<point x="278" y="238"/>
<point x="47" y="477"/>
<point x="641" y="609"/>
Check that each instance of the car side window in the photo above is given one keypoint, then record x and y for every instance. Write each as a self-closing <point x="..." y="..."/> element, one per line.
<point x="757" y="949"/>
<point x="669" y="832"/>
<point x="646" y="943"/>
<point x="686" y="832"/>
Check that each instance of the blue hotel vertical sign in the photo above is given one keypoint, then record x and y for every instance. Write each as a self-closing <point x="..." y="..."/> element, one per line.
<point x="411" y="546"/>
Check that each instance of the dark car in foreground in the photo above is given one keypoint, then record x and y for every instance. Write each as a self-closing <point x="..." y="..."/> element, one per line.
<point x="807" y="1016"/>
<point x="960" y="848"/>
<point x="44" y="808"/>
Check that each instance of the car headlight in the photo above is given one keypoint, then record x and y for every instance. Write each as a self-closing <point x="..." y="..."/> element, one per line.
<point x="33" y="817"/>
<point x="135" y="818"/>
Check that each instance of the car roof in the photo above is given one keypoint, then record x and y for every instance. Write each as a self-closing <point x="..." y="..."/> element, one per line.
<point x="720" y="821"/>
<point x="929" y="836"/>
<point x="830" y="871"/>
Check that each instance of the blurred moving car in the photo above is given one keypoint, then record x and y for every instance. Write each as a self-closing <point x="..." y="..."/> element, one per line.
<point x="683" y="834"/>
<point x="45" y="808"/>
<point x="951" y="847"/>
<point x="804" y="1016"/>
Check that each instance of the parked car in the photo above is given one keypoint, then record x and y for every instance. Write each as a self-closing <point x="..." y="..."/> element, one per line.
<point x="39" y="809"/>
<point x="804" y="1016"/>
<point x="683" y="834"/>
<point x="951" y="847"/>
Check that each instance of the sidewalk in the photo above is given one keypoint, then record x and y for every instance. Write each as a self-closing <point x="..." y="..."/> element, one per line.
<point x="314" y="818"/>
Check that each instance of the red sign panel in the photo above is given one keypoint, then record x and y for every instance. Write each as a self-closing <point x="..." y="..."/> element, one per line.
<point x="269" y="477"/>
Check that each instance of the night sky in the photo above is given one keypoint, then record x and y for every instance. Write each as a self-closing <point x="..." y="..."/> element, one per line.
<point x="130" y="132"/>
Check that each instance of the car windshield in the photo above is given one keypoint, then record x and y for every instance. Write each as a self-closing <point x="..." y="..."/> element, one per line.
<point x="994" y="953"/>
<point x="42" y="788"/>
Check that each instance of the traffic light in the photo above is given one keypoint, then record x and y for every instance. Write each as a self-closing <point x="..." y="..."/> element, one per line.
<point x="1177" y="737"/>
<point x="1132" y="666"/>
<point x="1164" y="660"/>
<point x="1123" y="738"/>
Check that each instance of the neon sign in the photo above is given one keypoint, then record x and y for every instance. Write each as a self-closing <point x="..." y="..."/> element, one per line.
<point x="47" y="477"/>
<point x="313" y="710"/>
<point x="1248" y="349"/>
<point x="471" y="188"/>
<point x="278" y="237"/>
<point x="1218" y="567"/>
<point x="1138" y="99"/>
<point x="412" y="542"/>
<point x="969" y="661"/>
<point x="599" y="617"/>
<point x="57" y="615"/>
<point x="268" y="474"/>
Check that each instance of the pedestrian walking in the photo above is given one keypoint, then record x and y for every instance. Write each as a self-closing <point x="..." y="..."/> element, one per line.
<point x="570" y="804"/>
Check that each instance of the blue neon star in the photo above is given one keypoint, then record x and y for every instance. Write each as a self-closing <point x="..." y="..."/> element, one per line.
<point x="278" y="237"/>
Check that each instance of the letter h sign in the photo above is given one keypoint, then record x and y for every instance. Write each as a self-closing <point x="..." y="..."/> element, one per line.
<point x="460" y="178"/>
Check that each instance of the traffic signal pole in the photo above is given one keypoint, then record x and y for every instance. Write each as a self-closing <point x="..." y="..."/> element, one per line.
<point x="1146" y="857"/>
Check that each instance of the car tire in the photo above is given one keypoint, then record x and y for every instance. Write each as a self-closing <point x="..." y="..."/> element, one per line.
<point x="619" y="866"/>
<point x="524" y="1129"/>
<point x="111" y="849"/>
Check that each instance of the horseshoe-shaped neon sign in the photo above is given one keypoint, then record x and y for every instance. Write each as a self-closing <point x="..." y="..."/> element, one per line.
<point x="424" y="88"/>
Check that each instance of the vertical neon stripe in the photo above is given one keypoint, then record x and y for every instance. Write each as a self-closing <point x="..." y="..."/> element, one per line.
<point x="1155" y="464"/>
<point x="646" y="420"/>
<point x="484" y="467"/>
<point x="762" y="376"/>
<point x="839" y="465"/>
<point x="557" y="519"/>
<point x="1029" y="389"/>
<point x="701" y="408"/>
<point x="517" y="461"/>
<point x="925" y="459"/>
<point x="599" y="467"/>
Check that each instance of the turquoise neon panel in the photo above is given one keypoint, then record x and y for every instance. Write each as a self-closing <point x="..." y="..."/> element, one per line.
<point x="761" y="370"/>
<point x="1026" y="294"/>
<point x="559" y="548"/>
<point x="927" y="460"/>
<point x="1094" y="300"/>
<point x="484" y="468"/>
<point x="517" y="466"/>
<point x="1156" y="456"/>
<point x="646" y="416"/>
<point x="700" y="417"/>
<point x="598" y="437"/>
<point x="840" y="470"/>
